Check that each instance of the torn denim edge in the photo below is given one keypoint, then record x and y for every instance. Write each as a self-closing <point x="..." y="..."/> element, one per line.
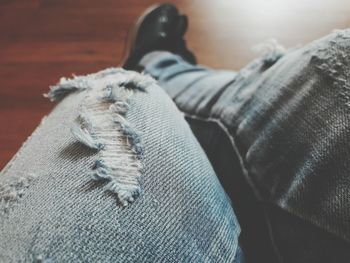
<point x="332" y="60"/>
<point x="102" y="126"/>
<point x="83" y="131"/>
<point x="270" y="50"/>
<point x="79" y="83"/>
<point x="13" y="189"/>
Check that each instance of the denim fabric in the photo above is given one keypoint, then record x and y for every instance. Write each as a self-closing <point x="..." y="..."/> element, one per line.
<point x="52" y="211"/>
<point x="286" y="118"/>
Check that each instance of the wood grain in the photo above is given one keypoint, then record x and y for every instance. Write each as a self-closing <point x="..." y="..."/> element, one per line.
<point x="42" y="40"/>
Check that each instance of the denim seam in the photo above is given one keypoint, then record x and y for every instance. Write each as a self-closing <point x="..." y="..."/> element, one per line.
<point x="244" y="170"/>
<point x="240" y="157"/>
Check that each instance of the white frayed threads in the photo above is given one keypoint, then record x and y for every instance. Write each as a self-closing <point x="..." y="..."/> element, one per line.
<point x="102" y="125"/>
<point x="13" y="189"/>
<point x="271" y="50"/>
<point x="77" y="83"/>
<point x="83" y="131"/>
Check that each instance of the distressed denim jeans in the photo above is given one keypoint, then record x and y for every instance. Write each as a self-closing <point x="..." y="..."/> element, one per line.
<point x="114" y="174"/>
<point x="277" y="133"/>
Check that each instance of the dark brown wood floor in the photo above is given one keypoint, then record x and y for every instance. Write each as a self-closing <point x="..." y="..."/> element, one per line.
<point x="42" y="40"/>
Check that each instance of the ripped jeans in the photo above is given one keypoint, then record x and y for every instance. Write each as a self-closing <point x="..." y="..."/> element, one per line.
<point x="114" y="174"/>
<point x="118" y="173"/>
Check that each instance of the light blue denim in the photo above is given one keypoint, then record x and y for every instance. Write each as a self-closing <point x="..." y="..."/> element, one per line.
<point x="277" y="133"/>
<point x="114" y="174"/>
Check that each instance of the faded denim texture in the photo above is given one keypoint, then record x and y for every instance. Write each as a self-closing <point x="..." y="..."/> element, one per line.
<point x="278" y="135"/>
<point x="53" y="208"/>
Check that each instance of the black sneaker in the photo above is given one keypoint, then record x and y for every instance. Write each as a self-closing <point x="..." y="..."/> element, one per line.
<point x="161" y="27"/>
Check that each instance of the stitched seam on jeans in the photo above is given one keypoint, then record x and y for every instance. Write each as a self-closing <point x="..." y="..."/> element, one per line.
<point x="241" y="160"/>
<point x="233" y="143"/>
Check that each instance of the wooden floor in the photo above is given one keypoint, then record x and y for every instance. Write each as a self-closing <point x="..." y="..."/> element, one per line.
<point x="42" y="40"/>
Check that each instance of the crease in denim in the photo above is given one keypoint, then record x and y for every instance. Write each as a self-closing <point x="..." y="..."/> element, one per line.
<point x="182" y="91"/>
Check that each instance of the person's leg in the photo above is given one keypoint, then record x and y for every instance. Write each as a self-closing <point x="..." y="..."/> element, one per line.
<point x="114" y="174"/>
<point x="289" y="125"/>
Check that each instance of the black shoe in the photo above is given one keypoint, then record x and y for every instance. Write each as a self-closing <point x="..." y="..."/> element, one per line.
<point x="161" y="27"/>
